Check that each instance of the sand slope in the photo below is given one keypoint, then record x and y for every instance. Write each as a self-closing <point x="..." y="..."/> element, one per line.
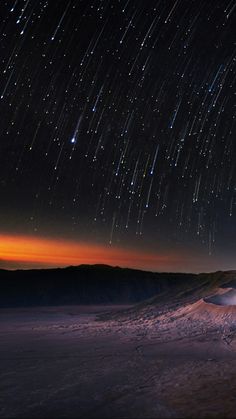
<point x="172" y="356"/>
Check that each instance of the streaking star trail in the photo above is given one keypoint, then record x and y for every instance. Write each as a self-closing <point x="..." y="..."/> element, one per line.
<point x="118" y="124"/>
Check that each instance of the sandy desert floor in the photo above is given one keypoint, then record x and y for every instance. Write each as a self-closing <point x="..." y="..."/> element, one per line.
<point x="63" y="362"/>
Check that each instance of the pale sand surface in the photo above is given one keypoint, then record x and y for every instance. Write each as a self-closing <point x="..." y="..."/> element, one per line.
<point x="63" y="362"/>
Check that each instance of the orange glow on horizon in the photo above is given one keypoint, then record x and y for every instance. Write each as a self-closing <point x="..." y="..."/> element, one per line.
<point x="41" y="252"/>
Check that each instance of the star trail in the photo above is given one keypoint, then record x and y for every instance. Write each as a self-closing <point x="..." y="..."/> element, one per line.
<point x="118" y="124"/>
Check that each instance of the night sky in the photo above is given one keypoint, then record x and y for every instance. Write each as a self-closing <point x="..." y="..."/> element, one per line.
<point x="118" y="130"/>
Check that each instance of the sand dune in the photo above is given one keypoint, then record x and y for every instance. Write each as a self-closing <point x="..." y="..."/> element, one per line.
<point x="171" y="356"/>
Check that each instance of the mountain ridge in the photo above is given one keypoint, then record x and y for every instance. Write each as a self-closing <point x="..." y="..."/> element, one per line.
<point x="83" y="284"/>
<point x="95" y="284"/>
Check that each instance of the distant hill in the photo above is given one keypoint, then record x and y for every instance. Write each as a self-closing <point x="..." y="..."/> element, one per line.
<point x="85" y="284"/>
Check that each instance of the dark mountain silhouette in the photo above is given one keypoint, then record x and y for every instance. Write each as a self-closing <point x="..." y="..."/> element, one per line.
<point x="84" y="284"/>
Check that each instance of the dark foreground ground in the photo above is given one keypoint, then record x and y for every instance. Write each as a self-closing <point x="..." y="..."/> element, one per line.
<point x="61" y="362"/>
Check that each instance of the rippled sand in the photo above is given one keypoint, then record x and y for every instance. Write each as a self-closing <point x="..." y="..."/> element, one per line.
<point x="63" y="362"/>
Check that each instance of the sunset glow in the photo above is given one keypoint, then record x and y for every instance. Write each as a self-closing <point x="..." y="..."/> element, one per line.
<point x="27" y="251"/>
